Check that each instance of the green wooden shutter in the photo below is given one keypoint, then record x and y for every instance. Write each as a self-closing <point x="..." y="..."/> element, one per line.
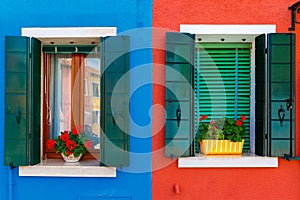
<point x="260" y="95"/>
<point x="179" y="95"/>
<point x="281" y="60"/>
<point x="114" y="149"/>
<point x="275" y="131"/>
<point x="35" y="111"/>
<point x="222" y="83"/>
<point x="22" y="101"/>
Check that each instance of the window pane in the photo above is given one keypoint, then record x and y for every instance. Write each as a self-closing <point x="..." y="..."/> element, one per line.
<point x="60" y="90"/>
<point x="92" y="99"/>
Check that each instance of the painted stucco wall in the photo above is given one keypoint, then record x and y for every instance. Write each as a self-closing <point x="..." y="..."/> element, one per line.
<point x="238" y="183"/>
<point x="125" y="15"/>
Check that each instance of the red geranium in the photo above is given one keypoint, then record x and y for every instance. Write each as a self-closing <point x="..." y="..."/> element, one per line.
<point x="75" y="131"/>
<point x="88" y="144"/>
<point x="68" y="152"/>
<point x="238" y="123"/>
<point x="203" y="117"/>
<point x="65" y="136"/>
<point x="71" y="145"/>
<point x="212" y="121"/>
<point x="51" y="144"/>
<point x="243" y="117"/>
<point x="72" y="142"/>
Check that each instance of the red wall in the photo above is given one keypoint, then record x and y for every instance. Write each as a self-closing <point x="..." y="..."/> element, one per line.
<point x="236" y="183"/>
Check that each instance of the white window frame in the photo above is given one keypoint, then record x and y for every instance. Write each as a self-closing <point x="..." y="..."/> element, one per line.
<point x="231" y="33"/>
<point x="57" y="167"/>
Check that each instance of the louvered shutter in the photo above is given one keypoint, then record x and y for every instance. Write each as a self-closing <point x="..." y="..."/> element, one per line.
<point x="115" y="57"/>
<point x="22" y="101"/>
<point x="179" y="95"/>
<point x="222" y="83"/>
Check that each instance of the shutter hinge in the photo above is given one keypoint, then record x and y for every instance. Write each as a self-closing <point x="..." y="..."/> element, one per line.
<point x="266" y="50"/>
<point x="11" y="165"/>
<point x="29" y="135"/>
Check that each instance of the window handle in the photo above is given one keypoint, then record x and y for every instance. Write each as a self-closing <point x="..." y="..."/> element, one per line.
<point x="281" y="115"/>
<point x="18" y="115"/>
<point x="178" y="115"/>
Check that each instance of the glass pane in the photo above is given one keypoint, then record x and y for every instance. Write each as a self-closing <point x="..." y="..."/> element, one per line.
<point x="60" y="90"/>
<point x="92" y="99"/>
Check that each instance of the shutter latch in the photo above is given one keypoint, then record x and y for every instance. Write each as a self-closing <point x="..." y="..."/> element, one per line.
<point x="281" y="115"/>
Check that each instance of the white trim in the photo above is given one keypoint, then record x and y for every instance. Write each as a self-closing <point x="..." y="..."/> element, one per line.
<point x="227" y="161"/>
<point x="69" y="32"/>
<point x="227" y="29"/>
<point x="59" y="168"/>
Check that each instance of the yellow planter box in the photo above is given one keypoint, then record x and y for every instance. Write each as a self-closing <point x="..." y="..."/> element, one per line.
<point x="221" y="147"/>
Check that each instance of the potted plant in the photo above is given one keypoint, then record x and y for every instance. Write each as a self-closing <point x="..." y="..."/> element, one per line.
<point x="221" y="136"/>
<point x="71" y="144"/>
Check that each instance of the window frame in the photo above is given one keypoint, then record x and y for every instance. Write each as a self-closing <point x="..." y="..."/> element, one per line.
<point x="234" y="33"/>
<point x="213" y="33"/>
<point x="64" y="35"/>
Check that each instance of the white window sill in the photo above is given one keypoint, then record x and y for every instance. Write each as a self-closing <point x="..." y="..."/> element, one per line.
<point x="225" y="161"/>
<point x="59" y="168"/>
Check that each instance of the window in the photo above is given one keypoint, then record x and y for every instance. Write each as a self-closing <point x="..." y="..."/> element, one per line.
<point x="181" y="54"/>
<point x="65" y="103"/>
<point x="95" y="87"/>
<point x="222" y="83"/>
<point x="23" y="98"/>
<point x="96" y="117"/>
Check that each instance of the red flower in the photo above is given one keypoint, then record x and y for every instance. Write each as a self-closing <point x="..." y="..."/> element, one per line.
<point x="213" y="128"/>
<point x="238" y="123"/>
<point x="65" y="136"/>
<point x="50" y="144"/>
<point x="88" y="144"/>
<point x="75" y="131"/>
<point x="203" y="117"/>
<point x="243" y="117"/>
<point x="68" y="152"/>
<point x="71" y="145"/>
<point x="212" y="121"/>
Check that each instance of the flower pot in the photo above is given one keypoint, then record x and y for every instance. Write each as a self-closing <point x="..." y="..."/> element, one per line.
<point x="221" y="147"/>
<point x="71" y="157"/>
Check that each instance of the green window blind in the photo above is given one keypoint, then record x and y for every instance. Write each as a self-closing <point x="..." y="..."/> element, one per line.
<point x="222" y="83"/>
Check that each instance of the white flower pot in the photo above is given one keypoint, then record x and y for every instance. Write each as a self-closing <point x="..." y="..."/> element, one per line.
<point x="71" y="158"/>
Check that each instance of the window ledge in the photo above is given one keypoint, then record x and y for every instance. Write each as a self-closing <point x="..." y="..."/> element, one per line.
<point x="226" y="161"/>
<point x="59" y="168"/>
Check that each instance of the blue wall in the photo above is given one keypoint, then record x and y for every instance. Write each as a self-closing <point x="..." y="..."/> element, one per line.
<point x="127" y="16"/>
